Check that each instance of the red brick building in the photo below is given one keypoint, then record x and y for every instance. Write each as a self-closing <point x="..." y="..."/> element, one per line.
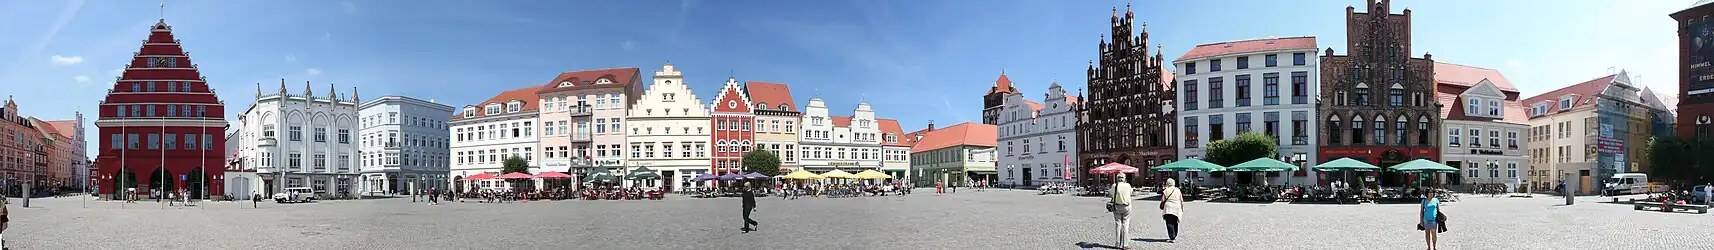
<point x="732" y="121"/>
<point x="23" y="153"/>
<point x="161" y="127"/>
<point x="1377" y="102"/>
<point x="1695" y="70"/>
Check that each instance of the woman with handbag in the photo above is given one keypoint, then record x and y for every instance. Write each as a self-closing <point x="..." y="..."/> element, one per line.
<point x="1430" y="218"/>
<point x="1120" y="206"/>
<point x="1172" y="208"/>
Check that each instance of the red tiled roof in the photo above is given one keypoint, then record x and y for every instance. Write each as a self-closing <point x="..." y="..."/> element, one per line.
<point x="526" y="95"/>
<point x="841" y="121"/>
<point x="891" y="127"/>
<point x="1585" y="92"/>
<point x="586" y="79"/>
<point x="1034" y="106"/>
<point x="1467" y="76"/>
<point x="44" y="126"/>
<point x="1166" y="78"/>
<point x="911" y="138"/>
<point x="70" y="126"/>
<point x="772" y="94"/>
<point x="1002" y="85"/>
<point x="1512" y="111"/>
<point x="1248" y="46"/>
<point x="968" y="133"/>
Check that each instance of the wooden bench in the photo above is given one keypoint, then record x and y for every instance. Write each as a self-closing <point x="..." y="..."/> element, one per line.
<point x="1631" y="200"/>
<point x="1641" y="205"/>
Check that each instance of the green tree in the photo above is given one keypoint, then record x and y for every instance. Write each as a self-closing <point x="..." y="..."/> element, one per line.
<point x="762" y="161"/>
<point x="1680" y="161"/>
<point x="1244" y="147"/>
<point x="515" y="164"/>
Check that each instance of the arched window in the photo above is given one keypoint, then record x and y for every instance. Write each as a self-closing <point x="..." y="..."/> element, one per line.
<point x="1333" y="132"/>
<point x="1422" y="124"/>
<point x="1380" y="130"/>
<point x="1399" y="129"/>
<point x="720" y="146"/>
<point x="1396" y="95"/>
<point x="1362" y="94"/>
<point x="1356" y="129"/>
<point x="746" y="147"/>
<point x="762" y="105"/>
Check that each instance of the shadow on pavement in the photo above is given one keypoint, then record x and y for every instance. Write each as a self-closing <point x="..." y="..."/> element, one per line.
<point x="1149" y="240"/>
<point x="1095" y="245"/>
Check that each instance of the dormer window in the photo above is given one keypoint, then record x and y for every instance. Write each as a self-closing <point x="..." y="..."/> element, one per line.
<point x="492" y="109"/>
<point x="762" y="105"/>
<point x="564" y="84"/>
<point x="603" y="81"/>
<point x="1565" y="102"/>
<point x="1494" y="108"/>
<point x="514" y="106"/>
<point x="469" y="112"/>
<point x="1540" y="108"/>
<point x="1475" y="107"/>
<point x="783" y="107"/>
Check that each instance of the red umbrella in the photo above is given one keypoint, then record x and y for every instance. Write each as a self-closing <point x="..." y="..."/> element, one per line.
<point x="478" y="177"/>
<point x="552" y="175"/>
<point x="516" y="175"/>
<point x="1113" y="168"/>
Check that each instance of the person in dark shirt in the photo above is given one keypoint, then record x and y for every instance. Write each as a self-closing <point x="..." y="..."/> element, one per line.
<point x="749" y="206"/>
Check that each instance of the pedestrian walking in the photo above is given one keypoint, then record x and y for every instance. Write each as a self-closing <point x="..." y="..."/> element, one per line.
<point x="255" y="198"/>
<point x="1120" y="206"/>
<point x="1431" y="219"/>
<point x="1707" y="193"/>
<point x="432" y="198"/>
<point x="749" y="206"/>
<point x="1172" y="208"/>
<point x="5" y="220"/>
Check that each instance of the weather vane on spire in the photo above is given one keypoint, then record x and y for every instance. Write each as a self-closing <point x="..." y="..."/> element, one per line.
<point x="163" y="10"/>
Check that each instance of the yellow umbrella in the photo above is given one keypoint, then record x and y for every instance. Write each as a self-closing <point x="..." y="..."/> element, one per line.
<point x="802" y="175"/>
<point x="841" y="174"/>
<point x="872" y="174"/>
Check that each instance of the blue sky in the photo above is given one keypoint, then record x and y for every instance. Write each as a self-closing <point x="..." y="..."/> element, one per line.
<point x="912" y="60"/>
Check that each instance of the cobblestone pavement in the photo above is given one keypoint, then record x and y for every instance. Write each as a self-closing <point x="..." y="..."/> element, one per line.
<point x="996" y="219"/>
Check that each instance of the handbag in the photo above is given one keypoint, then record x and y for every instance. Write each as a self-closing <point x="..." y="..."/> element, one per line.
<point x="1112" y="207"/>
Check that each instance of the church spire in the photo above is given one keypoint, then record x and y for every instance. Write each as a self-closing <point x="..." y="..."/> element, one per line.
<point x="307" y="93"/>
<point x="258" y="90"/>
<point x="354" y="94"/>
<point x="282" y="86"/>
<point x="332" y="93"/>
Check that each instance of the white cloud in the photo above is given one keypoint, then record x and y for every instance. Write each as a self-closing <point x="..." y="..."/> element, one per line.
<point x="65" y="60"/>
<point x="313" y="71"/>
<point x="291" y="58"/>
<point x="80" y="78"/>
<point x="629" y="45"/>
<point x="350" y="8"/>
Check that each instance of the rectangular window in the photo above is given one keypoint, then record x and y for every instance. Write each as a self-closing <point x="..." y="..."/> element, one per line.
<point x="1190" y="132"/>
<point x="1300" y="128"/>
<point x="171" y="87"/>
<point x="1271" y="125"/>
<point x="1396" y="97"/>
<point x="295" y="133"/>
<point x="1474" y="108"/>
<point x="154" y="141"/>
<point x="1452" y="137"/>
<point x="1475" y="138"/>
<point x="117" y="142"/>
<point x="1189" y="97"/>
<point x="1298" y="59"/>
<point x="190" y="142"/>
<point x="201" y="111"/>
<point x="1357" y="131"/>
<point x="1214" y="65"/>
<point x="1565" y="103"/>
<point x="1216" y="128"/>
<point x="136" y="110"/>
<point x="1243" y="92"/>
<point x="131" y="141"/>
<point x="1190" y="68"/>
<point x="1299" y="87"/>
<point x="170" y="142"/>
<point x="344" y="136"/>
<point x="1243" y="62"/>
<point x="186" y="87"/>
<point x="1216" y="92"/>
<point x="320" y="134"/>
<point x="601" y="126"/>
<point x="120" y="111"/>
<point x="151" y="85"/>
<point x="1380" y="132"/>
<point x="1271" y="60"/>
<point x="150" y="112"/>
<point x="1511" y="140"/>
<point x="1494" y="138"/>
<point x="136" y="87"/>
<point x="1399" y="131"/>
<point x="1494" y="108"/>
<point x="320" y="161"/>
<point x="173" y="110"/>
<point x="1271" y="89"/>
<point x="1243" y="123"/>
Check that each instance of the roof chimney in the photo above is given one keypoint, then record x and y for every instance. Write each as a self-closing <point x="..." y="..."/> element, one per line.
<point x="930" y="125"/>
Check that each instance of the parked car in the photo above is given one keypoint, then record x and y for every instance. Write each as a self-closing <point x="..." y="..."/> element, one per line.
<point x="295" y="195"/>
<point x="1697" y="193"/>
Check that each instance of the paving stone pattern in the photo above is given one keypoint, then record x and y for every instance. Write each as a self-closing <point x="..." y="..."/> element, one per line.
<point x="996" y="219"/>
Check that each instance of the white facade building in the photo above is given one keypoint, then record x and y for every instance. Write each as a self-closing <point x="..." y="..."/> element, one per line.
<point x="667" y="129"/>
<point x="1037" y="142"/>
<point x="404" y="145"/>
<point x="301" y="141"/>
<point x="1484" y="126"/>
<point x="849" y="143"/>
<point x="1262" y="85"/>
<point x="486" y="133"/>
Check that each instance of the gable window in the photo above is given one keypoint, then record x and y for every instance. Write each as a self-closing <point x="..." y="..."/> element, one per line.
<point x="1243" y="62"/>
<point x="1271" y="60"/>
<point x="469" y="112"/>
<point x="493" y="109"/>
<point x="514" y="107"/>
<point x="1297" y="59"/>
<point x="1565" y="102"/>
<point x="1475" y="107"/>
<point x="1494" y="108"/>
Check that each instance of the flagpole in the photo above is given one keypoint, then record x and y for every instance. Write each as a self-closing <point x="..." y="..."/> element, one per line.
<point x="164" y="176"/>
<point x="203" y="158"/>
<point x="125" y="139"/>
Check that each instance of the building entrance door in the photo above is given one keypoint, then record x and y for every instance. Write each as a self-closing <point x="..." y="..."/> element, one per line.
<point x="1029" y="178"/>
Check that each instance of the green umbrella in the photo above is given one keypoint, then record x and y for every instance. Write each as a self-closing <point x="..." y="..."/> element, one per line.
<point x="1423" y="166"/>
<point x="1264" y="164"/>
<point x="600" y="174"/>
<point x="1346" y="164"/>
<point x="643" y="173"/>
<point x="1193" y="165"/>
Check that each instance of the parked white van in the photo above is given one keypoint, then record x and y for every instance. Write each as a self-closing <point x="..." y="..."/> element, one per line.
<point x="1629" y="183"/>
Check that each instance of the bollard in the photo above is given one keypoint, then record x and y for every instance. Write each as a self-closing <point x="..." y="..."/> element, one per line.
<point x="26" y="195"/>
